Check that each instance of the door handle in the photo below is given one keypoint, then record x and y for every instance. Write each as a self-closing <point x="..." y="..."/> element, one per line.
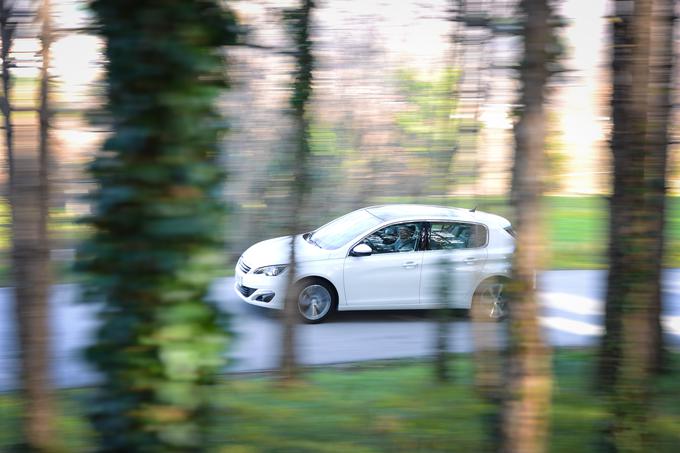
<point x="409" y="265"/>
<point x="470" y="260"/>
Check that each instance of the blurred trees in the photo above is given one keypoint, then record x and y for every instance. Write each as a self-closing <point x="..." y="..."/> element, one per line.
<point x="27" y="144"/>
<point x="529" y="380"/>
<point x="428" y="126"/>
<point x="630" y="349"/>
<point x="298" y="24"/>
<point x="157" y="220"/>
<point x="157" y="214"/>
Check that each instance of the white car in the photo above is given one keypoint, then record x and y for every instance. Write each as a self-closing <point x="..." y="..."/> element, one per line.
<point x="384" y="258"/>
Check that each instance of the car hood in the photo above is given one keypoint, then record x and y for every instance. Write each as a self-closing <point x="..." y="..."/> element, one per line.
<point x="277" y="251"/>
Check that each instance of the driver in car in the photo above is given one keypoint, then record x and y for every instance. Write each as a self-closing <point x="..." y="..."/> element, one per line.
<point x="406" y="242"/>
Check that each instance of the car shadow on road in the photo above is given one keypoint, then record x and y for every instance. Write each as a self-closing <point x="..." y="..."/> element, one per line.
<point x="364" y="316"/>
<point x="455" y="315"/>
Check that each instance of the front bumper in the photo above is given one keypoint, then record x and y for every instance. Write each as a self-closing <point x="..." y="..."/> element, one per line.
<point x="259" y="289"/>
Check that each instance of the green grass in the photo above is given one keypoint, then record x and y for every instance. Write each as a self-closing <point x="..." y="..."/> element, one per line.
<point x="379" y="407"/>
<point x="64" y="233"/>
<point x="576" y="232"/>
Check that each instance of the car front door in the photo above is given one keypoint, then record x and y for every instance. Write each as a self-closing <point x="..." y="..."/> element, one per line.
<point x="390" y="275"/>
<point x="452" y="263"/>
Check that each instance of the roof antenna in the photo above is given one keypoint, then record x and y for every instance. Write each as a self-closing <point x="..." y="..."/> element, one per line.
<point x="473" y="209"/>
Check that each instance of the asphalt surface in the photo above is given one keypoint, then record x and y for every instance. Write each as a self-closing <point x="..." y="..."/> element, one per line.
<point x="571" y="316"/>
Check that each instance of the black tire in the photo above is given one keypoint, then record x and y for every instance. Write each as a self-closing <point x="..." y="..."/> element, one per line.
<point x="489" y="303"/>
<point x="316" y="300"/>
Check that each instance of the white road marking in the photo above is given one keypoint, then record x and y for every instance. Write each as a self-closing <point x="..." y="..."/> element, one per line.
<point x="671" y="324"/>
<point x="571" y="326"/>
<point x="572" y="303"/>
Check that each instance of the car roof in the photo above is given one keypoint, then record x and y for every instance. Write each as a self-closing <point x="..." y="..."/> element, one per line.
<point x="390" y="212"/>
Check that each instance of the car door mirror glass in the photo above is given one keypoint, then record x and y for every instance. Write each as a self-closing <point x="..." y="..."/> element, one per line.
<point x="362" y="250"/>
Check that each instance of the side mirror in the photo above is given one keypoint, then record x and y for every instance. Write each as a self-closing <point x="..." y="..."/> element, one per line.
<point x="361" y="250"/>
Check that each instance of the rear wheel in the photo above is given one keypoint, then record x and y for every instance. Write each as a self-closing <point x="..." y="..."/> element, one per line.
<point x="316" y="300"/>
<point x="489" y="302"/>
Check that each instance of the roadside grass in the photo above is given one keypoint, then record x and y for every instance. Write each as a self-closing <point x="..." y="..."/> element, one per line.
<point x="577" y="236"/>
<point x="65" y="233"/>
<point x="379" y="407"/>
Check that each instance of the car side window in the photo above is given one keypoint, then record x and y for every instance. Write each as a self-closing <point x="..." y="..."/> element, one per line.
<point x="402" y="237"/>
<point x="452" y="235"/>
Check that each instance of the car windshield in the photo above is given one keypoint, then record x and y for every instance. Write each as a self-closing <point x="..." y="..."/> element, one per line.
<point x="340" y="231"/>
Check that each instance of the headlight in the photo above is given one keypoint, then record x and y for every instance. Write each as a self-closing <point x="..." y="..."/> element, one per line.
<point x="271" y="271"/>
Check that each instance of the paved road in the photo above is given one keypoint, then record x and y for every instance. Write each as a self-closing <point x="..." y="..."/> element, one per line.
<point x="571" y="316"/>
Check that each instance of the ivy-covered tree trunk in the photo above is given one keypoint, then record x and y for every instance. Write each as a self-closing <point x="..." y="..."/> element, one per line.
<point x="629" y="110"/>
<point x="298" y="23"/>
<point x="621" y="214"/>
<point x="526" y="406"/>
<point x="628" y="345"/>
<point x="157" y="220"/>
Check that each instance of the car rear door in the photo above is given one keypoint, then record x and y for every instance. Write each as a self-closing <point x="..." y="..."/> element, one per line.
<point x="452" y="262"/>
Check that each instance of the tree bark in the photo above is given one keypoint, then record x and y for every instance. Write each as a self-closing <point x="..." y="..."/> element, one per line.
<point x="27" y="150"/>
<point x="7" y="34"/>
<point x="525" y="411"/>
<point x="661" y="89"/>
<point x="442" y="316"/>
<point x="487" y="336"/>
<point x="31" y="280"/>
<point x="628" y="345"/>
<point x="629" y="110"/>
<point x="299" y="26"/>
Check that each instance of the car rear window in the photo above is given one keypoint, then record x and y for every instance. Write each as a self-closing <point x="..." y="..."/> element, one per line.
<point x="456" y="235"/>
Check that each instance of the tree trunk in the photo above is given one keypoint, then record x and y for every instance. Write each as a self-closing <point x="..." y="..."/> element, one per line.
<point x="29" y="199"/>
<point x="629" y="112"/>
<point x="628" y="346"/>
<point x="661" y="89"/>
<point x="32" y="281"/>
<point x="525" y="411"/>
<point x="487" y="338"/>
<point x="629" y="107"/>
<point x="157" y="224"/>
<point x="298" y="21"/>
<point x="442" y="316"/>
<point x="7" y="34"/>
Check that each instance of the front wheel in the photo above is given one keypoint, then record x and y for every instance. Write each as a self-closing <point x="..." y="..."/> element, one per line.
<point x="316" y="301"/>
<point x="489" y="302"/>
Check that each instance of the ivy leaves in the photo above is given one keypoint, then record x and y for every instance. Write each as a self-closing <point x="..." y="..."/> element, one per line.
<point x="158" y="223"/>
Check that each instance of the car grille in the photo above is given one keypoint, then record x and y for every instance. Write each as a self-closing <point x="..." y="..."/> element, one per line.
<point x="243" y="266"/>
<point x="245" y="290"/>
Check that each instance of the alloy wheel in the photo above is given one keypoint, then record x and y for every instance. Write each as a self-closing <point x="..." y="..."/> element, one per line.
<point x="314" y="302"/>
